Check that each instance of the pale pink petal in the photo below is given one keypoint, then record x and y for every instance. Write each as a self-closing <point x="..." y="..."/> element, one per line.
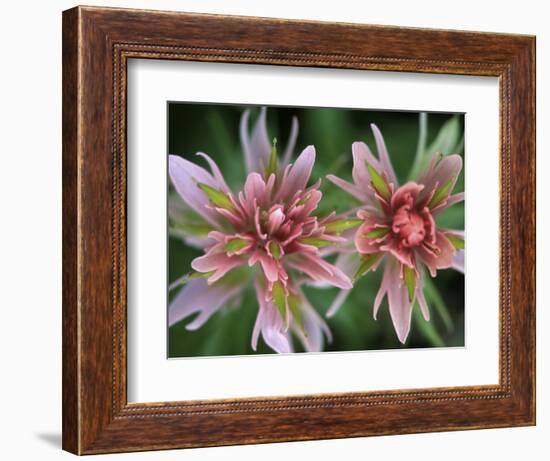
<point x="218" y="262"/>
<point x="257" y="222"/>
<point x="270" y="324"/>
<point x="451" y="200"/>
<point x="257" y="148"/>
<point x="178" y="212"/>
<point x="383" y="289"/>
<point x="361" y="156"/>
<point x="350" y="188"/>
<point x="198" y="296"/>
<point x="399" y="303"/>
<point x="320" y="270"/>
<point x="185" y="184"/>
<point x="419" y="294"/>
<point x="219" y="236"/>
<point x="383" y="155"/>
<point x="275" y="218"/>
<point x="458" y="261"/>
<point x="310" y="203"/>
<point x="315" y="327"/>
<point x="254" y="188"/>
<point x="365" y="245"/>
<point x="405" y="195"/>
<point x="245" y="142"/>
<point x="291" y="142"/>
<point x="442" y="259"/>
<point x="218" y="176"/>
<point x="298" y="174"/>
<point x="401" y="253"/>
<point x="269" y="265"/>
<point x="337" y="303"/>
<point x="260" y="142"/>
<point x="440" y="173"/>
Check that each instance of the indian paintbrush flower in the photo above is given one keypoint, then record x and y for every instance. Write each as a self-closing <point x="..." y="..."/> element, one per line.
<point x="269" y="226"/>
<point x="399" y="227"/>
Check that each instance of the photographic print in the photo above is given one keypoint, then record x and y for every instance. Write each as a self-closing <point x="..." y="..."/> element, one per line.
<point x="298" y="230"/>
<point x="242" y="201"/>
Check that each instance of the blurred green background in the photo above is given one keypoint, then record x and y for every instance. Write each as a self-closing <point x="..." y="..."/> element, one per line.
<point x="214" y="129"/>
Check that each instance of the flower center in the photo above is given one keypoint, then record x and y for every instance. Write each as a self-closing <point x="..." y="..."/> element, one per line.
<point x="410" y="226"/>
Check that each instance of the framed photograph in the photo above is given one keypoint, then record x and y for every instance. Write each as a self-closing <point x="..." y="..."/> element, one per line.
<point x="281" y="230"/>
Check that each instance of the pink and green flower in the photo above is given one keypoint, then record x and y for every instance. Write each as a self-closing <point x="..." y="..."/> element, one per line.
<point x="399" y="228"/>
<point x="268" y="231"/>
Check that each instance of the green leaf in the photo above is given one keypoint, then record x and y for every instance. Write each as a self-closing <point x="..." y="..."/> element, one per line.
<point x="294" y="306"/>
<point x="279" y="298"/>
<point x="448" y="137"/>
<point x="452" y="218"/>
<point x="427" y="329"/>
<point x="434" y="299"/>
<point x="457" y="241"/>
<point x="316" y="242"/>
<point x="272" y="166"/>
<point x="217" y="197"/>
<point x="236" y="245"/>
<point x="367" y="262"/>
<point x="275" y="249"/>
<point x="379" y="183"/>
<point x="446" y="141"/>
<point x="237" y="276"/>
<point x="341" y="225"/>
<point x="410" y="281"/>
<point x="440" y="194"/>
<point x="377" y="233"/>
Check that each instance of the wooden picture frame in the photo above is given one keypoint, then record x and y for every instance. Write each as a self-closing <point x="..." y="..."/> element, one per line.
<point x="97" y="43"/>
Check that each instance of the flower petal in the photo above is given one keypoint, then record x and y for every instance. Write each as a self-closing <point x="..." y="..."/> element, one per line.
<point x="458" y="261"/>
<point x="368" y="245"/>
<point x="405" y="195"/>
<point x="270" y="324"/>
<point x="383" y="288"/>
<point x="350" y="188"/>
<point x="275" y="218"/>
<point x="220" y="263"/>
<point x="298" y="174"/>
<point x="216" y="173"/>
<point x="184" y="176"/>
<point x="360" y="173"/>
<point x="245" y="141"/>
<point x="383" y="155"/>
<point x="443" y="259"/>
<point x="451" y="200"/>
<point x="291" y="142"/>
<point x="269" y="265"/>
<point x="337" y="303"/>
<point x="399" y="252"/>
<point x="440" y="174"/>
<point x="419" y="294"/>
<point x="197" y="296"/>
<point x="399" y="302"/>
<point x="254" y="188"/>
<point x="257" y="147"/>
<point x="320" y="270"/>
<point x="315" y="327"/>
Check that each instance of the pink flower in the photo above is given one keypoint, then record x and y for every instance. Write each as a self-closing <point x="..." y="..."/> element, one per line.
<point x="269" y="226"/>
<point x="399" y="226"/>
